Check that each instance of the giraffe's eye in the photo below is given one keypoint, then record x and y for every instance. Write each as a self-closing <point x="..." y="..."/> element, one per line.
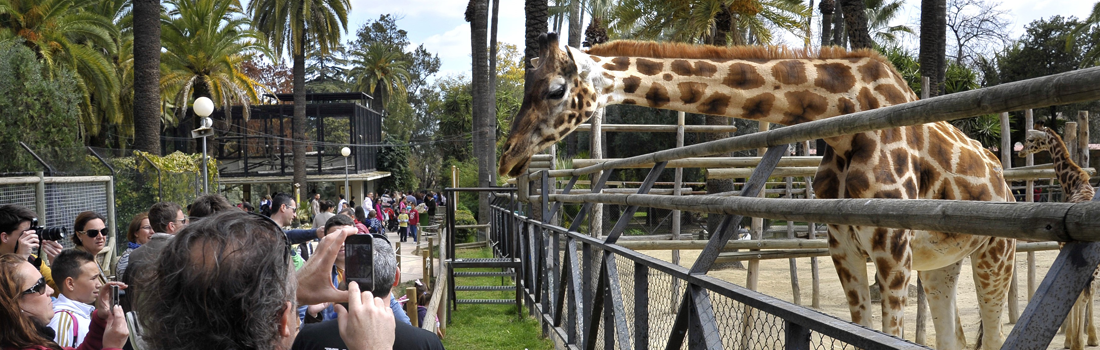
<point x="557" y="93"/>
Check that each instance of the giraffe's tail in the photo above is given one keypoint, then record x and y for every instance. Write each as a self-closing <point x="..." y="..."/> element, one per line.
<point x="981" y="330"/>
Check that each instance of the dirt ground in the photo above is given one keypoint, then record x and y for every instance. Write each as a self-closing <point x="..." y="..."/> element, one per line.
<point x="775" y="281"/>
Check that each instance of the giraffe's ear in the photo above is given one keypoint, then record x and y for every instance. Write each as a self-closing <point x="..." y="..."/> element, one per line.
<point x="581" y="60"/>
<point x="535" y="62"/>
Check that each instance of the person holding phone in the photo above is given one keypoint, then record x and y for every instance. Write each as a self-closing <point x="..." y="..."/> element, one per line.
<point x="339" y="278"/>
<point x="371" y="261"/>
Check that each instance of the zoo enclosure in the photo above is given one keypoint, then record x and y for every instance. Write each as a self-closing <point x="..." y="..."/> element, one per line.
<point x="546" y="265"/>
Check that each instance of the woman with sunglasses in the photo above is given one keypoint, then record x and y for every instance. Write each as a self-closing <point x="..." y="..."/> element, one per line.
<point x="26" y="309"/>
<point x="90" y="235"/>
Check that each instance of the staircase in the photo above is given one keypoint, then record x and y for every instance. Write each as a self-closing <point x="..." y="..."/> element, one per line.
<point x="507" y="273"/>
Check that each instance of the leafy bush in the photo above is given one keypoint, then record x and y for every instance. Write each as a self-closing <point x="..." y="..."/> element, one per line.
<point x="463" y="216"/>
<point x="38" y="108"/>
<point x="139" y="184"/>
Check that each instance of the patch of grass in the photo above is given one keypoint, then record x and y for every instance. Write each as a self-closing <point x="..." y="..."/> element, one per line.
<point x="476" y="326"/>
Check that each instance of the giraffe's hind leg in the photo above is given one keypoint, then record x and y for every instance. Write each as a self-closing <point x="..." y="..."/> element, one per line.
<point x="1090" y="324"/>
<point x="1074" y="332"/>
<point x="940" y="286"/>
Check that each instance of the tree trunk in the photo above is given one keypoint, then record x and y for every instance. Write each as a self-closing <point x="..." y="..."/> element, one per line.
<point x="855" y="20"/>
<point x="826" y="7"/>
<point x="933" y="41"/>
<point x="838" y="28"/>
<point x="298" y="127"/>
<point x="477" y="15"/>
<point x="536" y="24"/>
<point x="147" y="75"/>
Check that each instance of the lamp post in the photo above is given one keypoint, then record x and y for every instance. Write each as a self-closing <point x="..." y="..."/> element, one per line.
<point x="203" y="107"/>
<point x="347" y="189"/>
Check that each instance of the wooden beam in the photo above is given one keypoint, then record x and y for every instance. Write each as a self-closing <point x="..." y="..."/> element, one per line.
<point x="713" y="162"/>
<point x="659" y="128"/>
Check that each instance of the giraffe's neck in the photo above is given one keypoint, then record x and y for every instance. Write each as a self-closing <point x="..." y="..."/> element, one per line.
<point x="1070" y="175"/>
<point x="783" y="91"/>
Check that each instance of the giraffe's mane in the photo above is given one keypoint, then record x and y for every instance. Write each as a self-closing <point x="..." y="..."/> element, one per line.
<point x="653" y="49"/>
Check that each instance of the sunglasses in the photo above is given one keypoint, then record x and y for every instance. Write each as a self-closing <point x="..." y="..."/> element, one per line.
<point x="94" y="233"/>
<point x="38" y="288"/>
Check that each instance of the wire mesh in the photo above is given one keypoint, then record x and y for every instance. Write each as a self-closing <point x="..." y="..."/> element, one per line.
<point x="65" y="200"/>
<point x="20" y="194"/>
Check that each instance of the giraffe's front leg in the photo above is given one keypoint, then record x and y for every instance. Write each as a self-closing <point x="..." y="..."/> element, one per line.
<point x="940" y="286"/>
<point x="893" y="262"/>
<point x="851" y="267"/>
<point x="993" y="265"/>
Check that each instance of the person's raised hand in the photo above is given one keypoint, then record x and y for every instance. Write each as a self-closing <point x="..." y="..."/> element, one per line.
<point x="116" y="333"/>
<point x="28" y="242"/>
<point x="52" y="249"/>
<point x="368" y="323"/>
<point x="315" y="277"/>
<point x="103" y="302"/>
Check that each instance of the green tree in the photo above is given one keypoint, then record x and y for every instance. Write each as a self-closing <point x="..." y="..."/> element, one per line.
<point x="326" y="72"/>
<point x="40" y="108"/>
<point x="718" y="22"/>
<point x="205" y="43"/>
<point x="1043" y="51"/>
<point x="1092" y="56"/>
<point x="380" y="71"/>
<point x="67" y="34"/>
<point x="394" y="158"/>
<point x="291" y="25"/>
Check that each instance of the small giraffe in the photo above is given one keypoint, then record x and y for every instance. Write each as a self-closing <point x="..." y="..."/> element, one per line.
<point x="779" y="85"/>
<point x="1076" y="188"/>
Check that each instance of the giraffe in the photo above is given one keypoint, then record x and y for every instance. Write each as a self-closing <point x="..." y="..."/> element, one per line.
<point x="1076" y="188"/>
<point x="785" y="86"/>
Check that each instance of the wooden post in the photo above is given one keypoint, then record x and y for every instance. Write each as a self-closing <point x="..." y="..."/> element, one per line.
<point x="427" y="263"/>
<point x="1083" y="138"/>
<point x="1029" y="124"/>
<point x="595" y="226"/>
<point x="815" y="286"/>
<point x="754" y="265"/>
<point x="397" y="251"/>
<point x="1006" y="163"/>
<point x="676" y="214"/>
<point x="1071" y="145"/>
<point x="410" y="306"/>
<point x="795" y="289"/>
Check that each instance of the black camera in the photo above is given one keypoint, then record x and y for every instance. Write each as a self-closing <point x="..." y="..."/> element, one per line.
<point x="52" y="233"/>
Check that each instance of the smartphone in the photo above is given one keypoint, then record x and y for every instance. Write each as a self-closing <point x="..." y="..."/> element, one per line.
<point x="359" y="261"/>
<point x="114" y="293"/>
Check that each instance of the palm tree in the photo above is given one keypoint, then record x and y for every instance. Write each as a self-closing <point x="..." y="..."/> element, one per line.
<point x="205" y="43"/>
<point x="933" y="44"/>
<point x="147" y="111"/>
<point x="717" y="22"/>
<point x="879" y="14"/>
<point x="63" y="34"/>
<point x="380" y="72"/>
<point x="291" y="25"/>
<point x="1092" y="57"/>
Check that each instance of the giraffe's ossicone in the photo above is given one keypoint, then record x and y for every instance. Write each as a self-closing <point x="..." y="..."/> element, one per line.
<point x="789" y="86"/>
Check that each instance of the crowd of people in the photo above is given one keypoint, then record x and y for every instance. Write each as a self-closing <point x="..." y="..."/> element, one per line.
<point x="218" y="276"/>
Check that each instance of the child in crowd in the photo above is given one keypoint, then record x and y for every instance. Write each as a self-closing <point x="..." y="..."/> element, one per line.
<point x="403" y="225"/>
<point x="77" y="276"/>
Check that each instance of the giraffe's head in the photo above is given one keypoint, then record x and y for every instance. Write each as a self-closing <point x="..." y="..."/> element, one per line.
<point x="563" y="93"/>
<point x="1037" y="141"/>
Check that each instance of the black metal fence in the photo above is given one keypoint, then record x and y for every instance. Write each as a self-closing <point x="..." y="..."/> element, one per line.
<point x="593" y="293"/>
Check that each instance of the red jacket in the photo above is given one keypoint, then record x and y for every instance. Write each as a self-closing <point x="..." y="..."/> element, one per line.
<point x="94" y="339"/>
<point x="414" y="217"/>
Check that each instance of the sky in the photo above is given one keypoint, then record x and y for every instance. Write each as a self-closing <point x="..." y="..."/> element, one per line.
<point x="440" y="25"/>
